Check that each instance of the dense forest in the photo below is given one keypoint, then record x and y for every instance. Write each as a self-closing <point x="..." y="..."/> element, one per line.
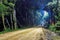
<point x="8" y="15"/>
<point x="29" y="19"/>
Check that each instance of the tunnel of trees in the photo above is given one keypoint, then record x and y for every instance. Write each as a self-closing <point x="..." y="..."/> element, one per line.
<point x="28" y="12"/>
<point x="22" y="13"/>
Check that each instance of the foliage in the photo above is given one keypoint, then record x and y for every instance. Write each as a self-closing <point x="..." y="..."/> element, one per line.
<point x="7" y="7"/>
<point x="11" y="5"/>
<point x="56" y="9"/>
<point x="5" y="1"/>
<point x="3" y="9"/>
<point x="52" y="28"/>
<point x="9" y="30"/>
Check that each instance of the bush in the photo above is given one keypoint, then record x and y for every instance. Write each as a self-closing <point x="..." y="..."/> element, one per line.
<point x="52" y="28"/>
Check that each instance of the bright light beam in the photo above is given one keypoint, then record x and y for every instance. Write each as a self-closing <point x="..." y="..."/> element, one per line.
<point x="45" y="14"/>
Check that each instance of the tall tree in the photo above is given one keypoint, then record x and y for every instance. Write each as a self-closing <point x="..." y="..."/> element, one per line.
<point x="13" y="14"/>
<point x="3" y="11"/>
<point x="14" y="19"/>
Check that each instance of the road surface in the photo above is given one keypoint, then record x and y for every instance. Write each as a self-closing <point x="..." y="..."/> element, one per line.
<point x="28" y="34"/>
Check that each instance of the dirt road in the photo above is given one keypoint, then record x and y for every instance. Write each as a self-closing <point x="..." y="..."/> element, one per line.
<point x="28" y="34"/>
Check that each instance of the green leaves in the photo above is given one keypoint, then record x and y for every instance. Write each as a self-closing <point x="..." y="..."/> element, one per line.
<point x="6" y="7"/>
<point x="2" y="7"/>
<point x="11" y="5"/>
<point x="52" y="28"/>
<point x="5" y="1"/>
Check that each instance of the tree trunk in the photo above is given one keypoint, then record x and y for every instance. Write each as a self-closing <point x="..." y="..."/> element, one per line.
<point x="14" y="19"/>
<point x="11" y="21"/>
<point x="7" y="22"/>
<point x="3" y="21"/>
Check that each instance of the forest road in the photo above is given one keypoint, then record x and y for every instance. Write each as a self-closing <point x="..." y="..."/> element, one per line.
<point x="27" y="34"/>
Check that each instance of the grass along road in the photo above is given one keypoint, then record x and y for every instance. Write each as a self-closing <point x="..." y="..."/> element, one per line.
<point x="28" y="34"/>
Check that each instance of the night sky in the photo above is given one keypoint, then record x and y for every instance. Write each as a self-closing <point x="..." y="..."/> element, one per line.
<point x="32" y="12"/>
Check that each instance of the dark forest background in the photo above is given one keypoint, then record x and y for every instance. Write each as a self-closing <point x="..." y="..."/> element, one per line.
<point x="8" y="17"/>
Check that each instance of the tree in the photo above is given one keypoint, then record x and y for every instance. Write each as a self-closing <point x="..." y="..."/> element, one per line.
<point x="13" y="14"/>
<point x="2" y="12"/>
<point x="55" y="7"/>
<point x="7" y="8"/>
<point x="14" y="19"/>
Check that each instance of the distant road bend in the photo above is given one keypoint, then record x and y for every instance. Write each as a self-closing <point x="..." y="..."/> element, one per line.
<point x="28" y="34"/>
